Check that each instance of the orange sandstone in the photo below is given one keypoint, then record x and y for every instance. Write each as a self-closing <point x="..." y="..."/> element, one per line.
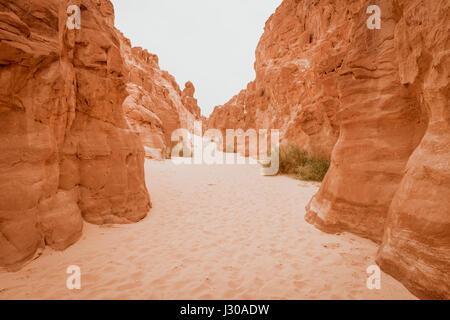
<point x="376" y="102"/>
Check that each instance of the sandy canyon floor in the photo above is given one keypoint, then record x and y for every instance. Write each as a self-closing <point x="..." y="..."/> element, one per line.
<point x="215" y="232"/>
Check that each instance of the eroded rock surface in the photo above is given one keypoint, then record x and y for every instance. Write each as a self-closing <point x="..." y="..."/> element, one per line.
<point x="295" y="89"/>
<point x="416" y="242"/>
<point x="155" y="105"/>
<point x="67" y="150"/>
<point x="323" y="74"/>
<point x="390" y="167"/>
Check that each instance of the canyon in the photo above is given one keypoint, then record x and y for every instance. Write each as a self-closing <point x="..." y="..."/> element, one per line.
<point x="155" y="105"/>
<point x="80" y="110"/>
<point x="375" y="101"/>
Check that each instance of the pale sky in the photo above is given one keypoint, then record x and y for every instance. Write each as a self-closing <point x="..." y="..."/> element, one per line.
<point x="209" y="42"/>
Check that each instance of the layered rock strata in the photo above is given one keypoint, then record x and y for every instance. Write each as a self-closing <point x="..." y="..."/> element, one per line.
<point x="155" y="105"/>
<point x="68" y="153"/>
<point x="376" y="102"/>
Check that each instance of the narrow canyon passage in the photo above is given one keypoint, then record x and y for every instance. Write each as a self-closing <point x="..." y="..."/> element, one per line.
<point x="215" y="232"/>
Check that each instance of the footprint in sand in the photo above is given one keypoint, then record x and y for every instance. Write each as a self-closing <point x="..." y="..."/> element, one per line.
<point x="108" y="269"/>
<point x="91" y="278"/>
<point x="202" y="289"/>
<point x="259" y="283"/>
<point x="145" y="250"/>
<point x="300" y="284"/>
<point x="161" y="281"/>
<point x="332" y="246"/>
<point x="138" y="275"/>
<point x="128" y="286"/>
<point x="234" y="284"/>
<point x="279" y="266"/>
<point x="298" y="277"/>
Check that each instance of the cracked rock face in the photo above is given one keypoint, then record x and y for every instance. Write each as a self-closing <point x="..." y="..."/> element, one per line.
<point x="67" y="150"/>
<point x="376" y="102"/>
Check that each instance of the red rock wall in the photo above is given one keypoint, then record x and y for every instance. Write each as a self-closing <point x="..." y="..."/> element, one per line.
<point x="416" y="242"/>
<point x="320" y="72"/>
<point x="67" y="150"/>
<point x="389" y="179"/>
<point x="155" y="105"/>
<point x="381" y="125"/>
<point x="295" y="90"/>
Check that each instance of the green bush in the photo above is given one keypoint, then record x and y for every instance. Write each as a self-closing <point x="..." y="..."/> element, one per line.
<point x="313" y="170"/>
<point x="291" y="157"/>
<point x="297" y="162"/>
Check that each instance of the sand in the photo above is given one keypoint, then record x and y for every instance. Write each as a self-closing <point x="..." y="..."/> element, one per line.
<point x="215" y="232"/>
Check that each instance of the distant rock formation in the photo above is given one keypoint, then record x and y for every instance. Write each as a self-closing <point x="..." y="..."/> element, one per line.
<point x="155" y="105"/>
<point x="75" y="109"/>
<point x="189" y="101"/>
<point x="295" y="89"/>
<point x="321" y="73"/>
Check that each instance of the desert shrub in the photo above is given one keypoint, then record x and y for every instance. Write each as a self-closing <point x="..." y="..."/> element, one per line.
<point x="314" y="170"/>
<point x="297" y="162"/>
<point x="291" y="157"/>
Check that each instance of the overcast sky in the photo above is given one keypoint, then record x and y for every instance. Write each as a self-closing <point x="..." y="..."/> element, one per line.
<point x="209" y="42"/>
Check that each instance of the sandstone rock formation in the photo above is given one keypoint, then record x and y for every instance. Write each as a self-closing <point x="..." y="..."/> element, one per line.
<point x="189" y="101"/>
<point x="381" y="125"/>
<point x="79" y="110"/>
<point x="67" y="151"/>
<point x="295" y="89"/>
<point x="77" y="106"/>
<point x="322" y="73"/>
<point x="155" y="105"/>
<point x="416" y="242"/>
<point x="390" y="168"/>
